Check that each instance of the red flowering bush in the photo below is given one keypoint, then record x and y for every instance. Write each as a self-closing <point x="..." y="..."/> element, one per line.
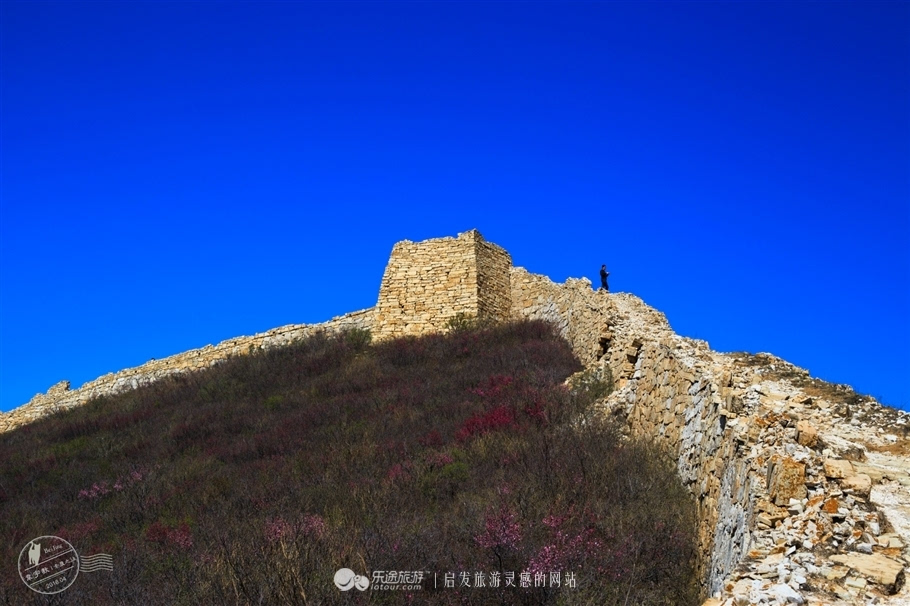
<point x="501" y="529"/>
<point x="501" y="417"/>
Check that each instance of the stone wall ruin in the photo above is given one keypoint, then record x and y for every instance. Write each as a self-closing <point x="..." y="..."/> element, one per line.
<point x="428" y="283"/>
<point x="802" y="487"/>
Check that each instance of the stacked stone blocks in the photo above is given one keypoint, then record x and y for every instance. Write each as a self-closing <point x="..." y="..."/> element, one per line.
<point x="428" y="283"/>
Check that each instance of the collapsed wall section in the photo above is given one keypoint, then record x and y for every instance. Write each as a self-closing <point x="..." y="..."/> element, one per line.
<point x="427" y="283"/>
<point x="580" y="317"/>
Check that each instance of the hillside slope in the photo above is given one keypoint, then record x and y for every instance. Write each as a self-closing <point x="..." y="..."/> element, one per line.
<point x="255" y="480"/>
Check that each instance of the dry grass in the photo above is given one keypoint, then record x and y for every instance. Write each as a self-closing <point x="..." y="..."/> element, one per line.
<point x="254" y="481"/>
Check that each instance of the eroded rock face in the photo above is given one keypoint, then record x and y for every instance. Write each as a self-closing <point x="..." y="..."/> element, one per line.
<point x="802" y="487"/>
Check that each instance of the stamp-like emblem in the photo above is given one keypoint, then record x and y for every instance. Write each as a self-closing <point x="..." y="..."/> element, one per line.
<point x="50" y="564"/>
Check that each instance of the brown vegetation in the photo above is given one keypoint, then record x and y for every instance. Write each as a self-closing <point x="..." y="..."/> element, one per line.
<point x="254" y="481"/>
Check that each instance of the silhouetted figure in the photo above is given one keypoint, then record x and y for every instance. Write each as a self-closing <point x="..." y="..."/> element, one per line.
<point x="603" y="278"/>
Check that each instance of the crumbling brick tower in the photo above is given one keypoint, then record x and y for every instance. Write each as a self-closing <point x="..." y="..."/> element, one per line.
<point x="427" y="283"/>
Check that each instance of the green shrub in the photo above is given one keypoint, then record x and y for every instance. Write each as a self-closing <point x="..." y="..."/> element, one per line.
<point x="593" y="384"/>
<point x="358" y="338"/>
<point x="273" y="402"/>
<point x="462" y="322"/>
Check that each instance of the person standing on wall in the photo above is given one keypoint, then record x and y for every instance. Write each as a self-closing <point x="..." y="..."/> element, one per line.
<point x="603" y="278"/>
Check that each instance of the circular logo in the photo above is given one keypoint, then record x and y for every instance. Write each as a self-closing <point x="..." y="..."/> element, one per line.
<point x="48" y="564"/>
<point x="346" y="578"/>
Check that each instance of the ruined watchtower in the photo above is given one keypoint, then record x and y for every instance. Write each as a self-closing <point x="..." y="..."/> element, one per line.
<point x="427" y="283"/>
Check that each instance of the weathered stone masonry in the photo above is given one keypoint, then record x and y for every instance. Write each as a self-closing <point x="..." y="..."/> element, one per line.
<point x="799" y="497"/>
<point x="427" y="283"/>
<point x="802" y="488"/>
<point x="760" y="446"/>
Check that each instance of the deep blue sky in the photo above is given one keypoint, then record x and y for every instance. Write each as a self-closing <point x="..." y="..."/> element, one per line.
<point x="175" y="174"/>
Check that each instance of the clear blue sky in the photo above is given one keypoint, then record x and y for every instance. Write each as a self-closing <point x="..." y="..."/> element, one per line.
<point x="178" y="173"/>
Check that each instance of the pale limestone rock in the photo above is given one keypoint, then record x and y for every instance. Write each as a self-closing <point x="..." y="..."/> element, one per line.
<point x="834" y="572"/>
<point x="808" y="434"/>
<point x="786" y="480"/>
<point x="838" y="468"/>
<point x="784" y="594"/>
<point x="877" y="568"/>
<point x="890" y="541"/>
<point x="860" y="484"/>
<point x="741" y="592"/>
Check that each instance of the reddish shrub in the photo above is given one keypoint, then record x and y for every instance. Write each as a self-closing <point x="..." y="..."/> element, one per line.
<point x="430" y="440"/>
<point x="501" y="417"/>
<point x="170" y="536"/>
<point x="439" y="459"/>
<point x="501" y="529"/>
